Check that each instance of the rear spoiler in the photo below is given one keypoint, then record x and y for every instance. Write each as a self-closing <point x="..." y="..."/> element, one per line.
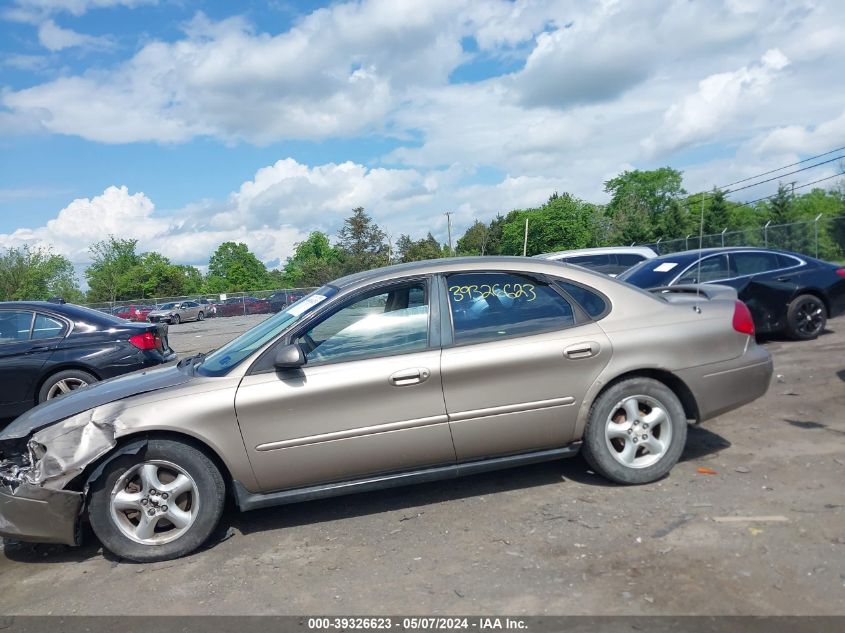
<point x="690" y="293"/>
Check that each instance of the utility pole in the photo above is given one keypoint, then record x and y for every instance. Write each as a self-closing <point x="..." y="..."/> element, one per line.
<point x="525" y="239"/>
<point x="448" y="215"/>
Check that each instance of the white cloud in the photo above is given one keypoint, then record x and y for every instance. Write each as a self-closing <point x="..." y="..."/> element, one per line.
<point x="279" y="206"/>
<point x="719" y="101"/>
<point x="804" y="139"/>
<point x="36" y="10"/>
<point x="55" y="38"/>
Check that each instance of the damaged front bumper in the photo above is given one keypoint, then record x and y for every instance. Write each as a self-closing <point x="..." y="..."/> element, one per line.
<point x="34" y="502"/>
<point x="34" y="513"/>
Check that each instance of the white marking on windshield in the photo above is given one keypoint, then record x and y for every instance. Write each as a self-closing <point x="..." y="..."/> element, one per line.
<point x="665" y="267"/>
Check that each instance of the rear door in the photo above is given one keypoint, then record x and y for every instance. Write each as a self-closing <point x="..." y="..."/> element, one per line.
<point x="21" y="358"/>
<point x="522" y="358"/>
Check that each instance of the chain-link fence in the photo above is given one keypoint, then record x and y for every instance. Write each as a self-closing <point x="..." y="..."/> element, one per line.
<point x="823" y="238"/>
<point x="211" y="305"/>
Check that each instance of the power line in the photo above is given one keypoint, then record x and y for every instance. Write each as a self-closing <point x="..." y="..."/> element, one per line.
<point x="762" y="182"/>
<point x="806" y="184"/>
<point x="771" y="171"/>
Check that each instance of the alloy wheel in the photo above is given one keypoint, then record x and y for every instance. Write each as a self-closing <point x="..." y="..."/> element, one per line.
<point x="154" y="502"/>
<point x="638" y="431"/>
<point x="66" y="385"/>
<point x="809" y="317"/>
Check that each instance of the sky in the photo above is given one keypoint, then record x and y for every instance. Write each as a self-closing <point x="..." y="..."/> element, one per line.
<point x="186" y="124"/>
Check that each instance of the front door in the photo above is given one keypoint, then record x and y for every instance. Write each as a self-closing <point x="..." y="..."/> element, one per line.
<point x="368" y="400"/>
<point x="521" y="362"/>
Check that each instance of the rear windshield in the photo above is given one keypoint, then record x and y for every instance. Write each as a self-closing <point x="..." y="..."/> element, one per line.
<point x="653" y="273"/>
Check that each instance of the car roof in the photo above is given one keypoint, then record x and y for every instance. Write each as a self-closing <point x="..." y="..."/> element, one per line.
<point x="646" y="251"/>
<point x="69" y="310"/>
<point x="694" y="253"/>
<point x="456" y="264"/>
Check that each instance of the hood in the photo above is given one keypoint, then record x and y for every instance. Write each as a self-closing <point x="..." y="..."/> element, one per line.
<point x="161" y="312"/>
<point x="95" y="395"/>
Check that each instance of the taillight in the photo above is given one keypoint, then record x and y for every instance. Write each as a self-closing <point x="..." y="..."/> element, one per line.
<point x="743" y="322"/>
<point x="147" y="340"/>
<point x="841" y="272"/>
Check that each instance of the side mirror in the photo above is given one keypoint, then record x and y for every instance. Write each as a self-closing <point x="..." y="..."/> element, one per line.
<point x="289" y="357"/>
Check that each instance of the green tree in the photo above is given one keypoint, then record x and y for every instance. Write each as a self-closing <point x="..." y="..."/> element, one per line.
<point x="409" y="250"/>
<point x="362" y="242"/>
<point x="564" y="222"/>
<point x="238" y="266"/>
<point x="314" y="262"/>
<point x="475" y="241"/>
<point x="639" y="200"/>
<point x="717" y="217"/>
<point x="780" y="206"/>
<point x="37" y="274"/>
<point x="110" y="273"/>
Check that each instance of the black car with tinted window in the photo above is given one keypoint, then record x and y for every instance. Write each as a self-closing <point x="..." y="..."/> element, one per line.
<point x="48" y="349"/>
<point x="786" y="292"/>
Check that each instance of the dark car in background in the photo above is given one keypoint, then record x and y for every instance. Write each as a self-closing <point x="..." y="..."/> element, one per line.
<point x="48" y="349"/>
<point x="786" y="292"/>
<point x="283" y="298"/>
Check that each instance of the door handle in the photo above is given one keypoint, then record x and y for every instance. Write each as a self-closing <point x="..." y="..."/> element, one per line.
<point x="582" y="350"/>
<point x="785" y="278"/>
<point x="406" y="377"/>
<point x="35" y="350"/>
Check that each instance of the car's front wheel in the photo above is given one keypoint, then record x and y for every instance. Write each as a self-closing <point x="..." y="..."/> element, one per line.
<point x="175" y="319"/>
<point x="636" y="431"/>
<point x="160" y="504"/>
<point x="806" y="317"/>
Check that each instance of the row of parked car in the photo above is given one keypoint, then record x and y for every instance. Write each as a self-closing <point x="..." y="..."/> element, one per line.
<point x="410" y="373"/>
<point x="176" y="312"/>
<point x="787" y="293"/>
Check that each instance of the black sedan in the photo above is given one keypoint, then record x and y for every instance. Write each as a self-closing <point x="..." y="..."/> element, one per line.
<point x="47" y="349"/>
<point x="786" y="292"/>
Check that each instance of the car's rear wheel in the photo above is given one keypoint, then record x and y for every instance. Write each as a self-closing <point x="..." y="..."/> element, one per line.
<point x="157" y="505"/>
<point x="201" y="316"/>
<point x="64" y="382"/>
<point x="806" y="317"/>
<point x="636" y="431"/>
<point x="175" y="319"/>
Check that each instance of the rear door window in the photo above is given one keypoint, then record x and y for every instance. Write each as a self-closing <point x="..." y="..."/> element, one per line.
<point x="47" y="327"/>
<point x="753" y="263"/>
<point x="493" y="306"/>
<point x="15" y="325"/>
<point x="591" y="302"/>
<point x="601" y="263"/>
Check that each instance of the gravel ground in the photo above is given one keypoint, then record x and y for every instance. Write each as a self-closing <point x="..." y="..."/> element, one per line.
<point x="546" y="539"/>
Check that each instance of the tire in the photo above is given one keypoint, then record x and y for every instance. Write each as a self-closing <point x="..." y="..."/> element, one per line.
<point x="200" y="502"/>
<point x="175" y="319"/>
<point x="64" y="382"/>
<point x="619" y="450"/>
<point x="806" y="318"/>
<point x="201" y="316"/>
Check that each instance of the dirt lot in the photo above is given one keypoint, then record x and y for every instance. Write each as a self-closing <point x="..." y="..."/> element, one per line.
<point x="552" y="538"/>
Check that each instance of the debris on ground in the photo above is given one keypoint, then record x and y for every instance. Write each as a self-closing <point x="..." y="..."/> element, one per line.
<point x="755" y="519"/>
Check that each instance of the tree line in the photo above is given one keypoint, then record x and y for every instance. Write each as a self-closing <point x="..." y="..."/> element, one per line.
<point x="644" y="207"/>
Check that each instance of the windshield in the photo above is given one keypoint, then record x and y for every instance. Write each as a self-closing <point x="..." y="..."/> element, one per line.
<point x="167" y="306"/>
<point x="653" y="273"/>
<point x="223" y="359"/>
